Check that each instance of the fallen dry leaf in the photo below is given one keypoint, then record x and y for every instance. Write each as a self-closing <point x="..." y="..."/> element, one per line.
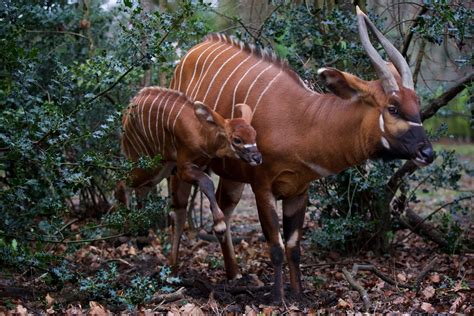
<point x="20" y="310"/>
<point x="132" y="251"/>
<point x="249" y="311"/>
<point x="343" y="304"/>
<point x="49" y="300"/>
<point x="399" y="300"/>
<point x="96" y="309"/>
<point x="435" y="278"/>
<point x="457" y="303"/>
<point x="428" y="292"/>
<point x="427" y="307"/>
<point x="191" y="309"/>
<point x="402" y="277"/>
<point x="74" y="310"/>
<point x="50" y="311"/>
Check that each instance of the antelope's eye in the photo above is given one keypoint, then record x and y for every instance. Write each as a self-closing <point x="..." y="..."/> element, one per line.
<point x="393" y="110"/>
<point x="237" y="141"/>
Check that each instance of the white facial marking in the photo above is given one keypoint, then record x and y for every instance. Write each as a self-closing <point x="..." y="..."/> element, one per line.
<point x="209" y="119"/>
<point x="381" y="123"/>
<point x="321" y="70"/>
<point x="385" y="143"/>
<point x="414" y="123"/>
<point x="250" y="145"/>
<point x="201" y="111"/>
<point x="291" y="243"/>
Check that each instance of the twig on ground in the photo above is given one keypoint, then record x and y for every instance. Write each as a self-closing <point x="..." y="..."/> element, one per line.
<point x="122" y="261"/>
<point x="213" y="238"/>
<point x="355" y="285"/>
<point x="169" y="297"/>
<point x="322" y="264"/>
<point x="368" y="267"/>
<point x="424" y="272"/>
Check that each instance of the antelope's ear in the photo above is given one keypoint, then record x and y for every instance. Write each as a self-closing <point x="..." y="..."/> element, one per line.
<point x="207" y="116"/>
<point x="244" y="112"/>
<point x="342" y="84"/>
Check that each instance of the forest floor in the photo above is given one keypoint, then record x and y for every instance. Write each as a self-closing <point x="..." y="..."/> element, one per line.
<point x="414" y="277"/>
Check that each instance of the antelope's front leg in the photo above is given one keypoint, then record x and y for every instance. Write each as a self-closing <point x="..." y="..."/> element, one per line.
<point x="293" y="219"/>
<point x="180" y="194"/>
<point x="192" y="174"/>
<point x="267" y="214"/>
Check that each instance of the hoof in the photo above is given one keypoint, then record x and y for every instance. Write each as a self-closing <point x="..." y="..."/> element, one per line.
<point x="220" y="228"/>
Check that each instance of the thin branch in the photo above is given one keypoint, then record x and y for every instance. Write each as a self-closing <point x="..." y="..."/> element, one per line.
<point x="447" y="96"/>
<point x="409" y="37"/>
<point x="423" y="273"/>
<point x="419" y="60"/>
<point x="377" y="272"/>
<point x="437" y="210"/>
<point x="355" y="285"/>
<point x="58" y="32"/>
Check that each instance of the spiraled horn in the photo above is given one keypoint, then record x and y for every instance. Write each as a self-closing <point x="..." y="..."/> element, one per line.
<point x="389" y="83"/>
<point x="394" y="55"/>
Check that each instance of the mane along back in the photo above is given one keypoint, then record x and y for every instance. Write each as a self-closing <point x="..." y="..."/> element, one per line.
<point x="261" y="53"/>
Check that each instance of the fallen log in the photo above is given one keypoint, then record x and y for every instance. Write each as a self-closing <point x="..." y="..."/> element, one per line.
<point x="417" y="225"/>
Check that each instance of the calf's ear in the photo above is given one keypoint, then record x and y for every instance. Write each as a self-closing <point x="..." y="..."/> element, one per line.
<point x="207" y="116"/>
<point x="244" y="112"/>
<point x="343" y="84"/>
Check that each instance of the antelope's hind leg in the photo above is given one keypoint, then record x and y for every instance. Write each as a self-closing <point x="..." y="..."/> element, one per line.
<point x="228" y="195"/>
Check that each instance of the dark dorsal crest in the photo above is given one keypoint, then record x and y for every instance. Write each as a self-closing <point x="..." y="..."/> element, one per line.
<point x="261" y="53"/>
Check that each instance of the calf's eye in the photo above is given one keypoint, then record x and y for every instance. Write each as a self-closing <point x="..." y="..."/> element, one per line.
<point x="237" y="141"/>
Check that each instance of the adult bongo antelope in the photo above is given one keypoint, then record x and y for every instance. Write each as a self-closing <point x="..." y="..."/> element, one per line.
<point x="187" y="135"/>
<point x="302" y="135"/>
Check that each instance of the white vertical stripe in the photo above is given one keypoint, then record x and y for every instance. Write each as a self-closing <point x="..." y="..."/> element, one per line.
<point x="217" y="74"/>
<point x="137" y="138"/>
<point x="208" y="68"/>
<point x="202" y="69"/>
<point x="225" y="82"/>
<point x="177" y="115"/>
<point x="196" y="63"/>
<point x="157" y="120"/>
<point x="238" y="83"/>
<point x="265" y="90"/>
<point x="152" y="106"/>
<point x="162" y="122"/>
<point x="255" y="80"/>
<point x="168" y="121"/>
<point x="137" y="119"/>
<point x="140" y="109"/>
<point x="184" y="61"/>
<point x="176" y="96"/>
